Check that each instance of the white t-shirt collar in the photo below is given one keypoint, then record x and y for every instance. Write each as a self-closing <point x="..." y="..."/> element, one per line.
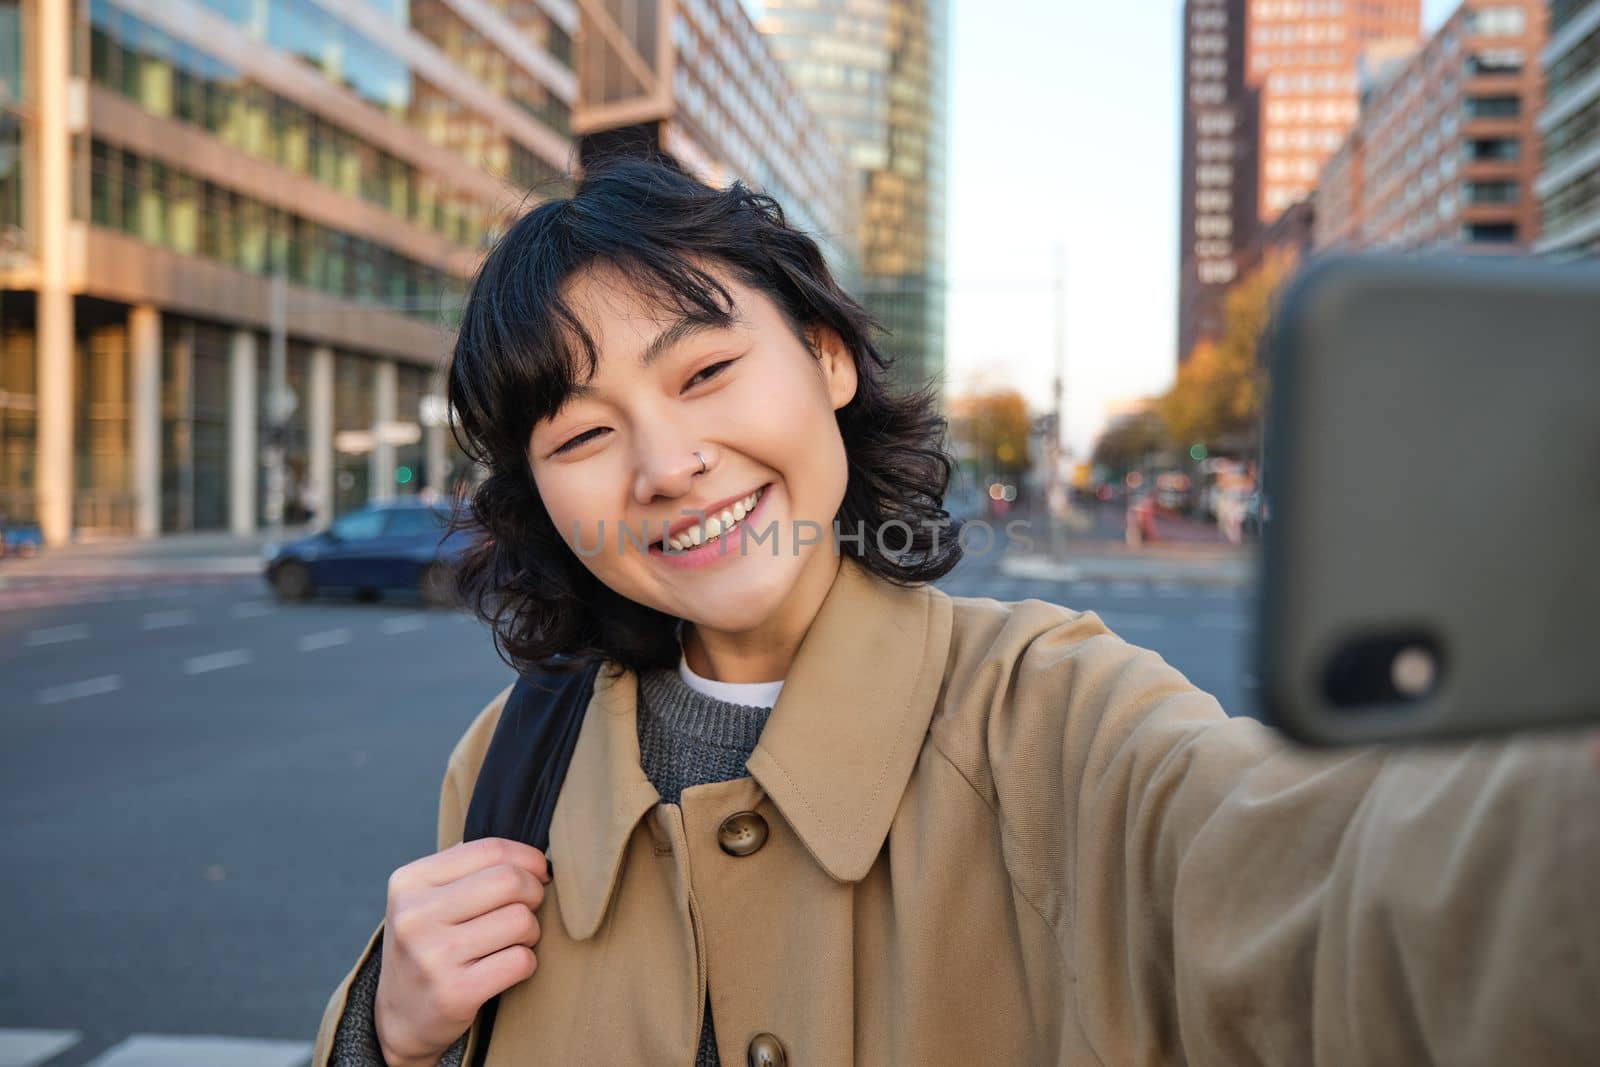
<point x="750" y="694"/>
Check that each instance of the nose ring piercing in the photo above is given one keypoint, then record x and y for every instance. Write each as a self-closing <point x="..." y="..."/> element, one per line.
<point x="702" y="460"/>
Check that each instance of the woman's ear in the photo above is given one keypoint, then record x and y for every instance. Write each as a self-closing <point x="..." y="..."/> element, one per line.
<point x="837" y="364"/>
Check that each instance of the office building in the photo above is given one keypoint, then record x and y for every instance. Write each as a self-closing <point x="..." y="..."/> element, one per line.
<point x="695" y="79"/>
<point x="1217" y="212"/>
<point x="1270" y="91"/>
<point x="1569" y="187"/>
<point x="1446" y="152"/>
<point x="235" y="235"/>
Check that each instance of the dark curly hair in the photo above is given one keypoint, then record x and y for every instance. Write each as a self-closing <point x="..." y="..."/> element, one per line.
<point x="517" y="355"/>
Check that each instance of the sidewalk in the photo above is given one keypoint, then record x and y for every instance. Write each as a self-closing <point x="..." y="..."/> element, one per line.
<point x="1076" y="558"/>
<point x="168" y="556"/>
<point x="1082" y="561"/>
<point x="1186" y="552"/>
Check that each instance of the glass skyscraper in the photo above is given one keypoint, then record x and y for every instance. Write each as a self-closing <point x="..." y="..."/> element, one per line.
<point x="874" y="72"/>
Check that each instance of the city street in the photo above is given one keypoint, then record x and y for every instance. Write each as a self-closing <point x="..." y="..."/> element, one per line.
<point x="206" y="792"/>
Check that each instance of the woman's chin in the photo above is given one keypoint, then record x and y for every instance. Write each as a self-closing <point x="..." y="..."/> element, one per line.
<point x="757" y="598"/>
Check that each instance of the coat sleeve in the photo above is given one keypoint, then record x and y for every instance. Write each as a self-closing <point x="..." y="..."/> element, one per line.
<point x="347" y="1036"/>
<point x="1221" y="896"/>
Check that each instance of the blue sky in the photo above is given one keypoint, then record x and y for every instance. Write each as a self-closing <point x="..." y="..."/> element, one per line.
<point x="1064" y="128"/>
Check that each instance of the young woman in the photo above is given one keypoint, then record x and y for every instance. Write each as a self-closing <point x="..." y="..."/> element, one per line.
<point x="822" y="813"/>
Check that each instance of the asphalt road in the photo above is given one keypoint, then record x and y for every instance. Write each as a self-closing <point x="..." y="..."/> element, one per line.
<point x="206" y="791"/>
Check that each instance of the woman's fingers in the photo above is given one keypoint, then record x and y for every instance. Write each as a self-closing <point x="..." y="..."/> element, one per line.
<point x="455" y="863"/>
<point x="503" y="928"/>
<point x="480" y="893"/>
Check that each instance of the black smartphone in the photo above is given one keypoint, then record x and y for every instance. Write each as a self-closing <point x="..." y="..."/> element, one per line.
<point x="1432" y="470"/>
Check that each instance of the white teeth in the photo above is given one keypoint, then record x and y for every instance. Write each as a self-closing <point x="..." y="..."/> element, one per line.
<point x="715" y="525"/>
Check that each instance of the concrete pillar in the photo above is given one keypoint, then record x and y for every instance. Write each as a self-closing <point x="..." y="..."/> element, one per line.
<point x="382" y="459"/>
<point x="435" y="435"/>
<point x="319" y="432"/>
<point x="434" y="439"/>
<point x="144" y="359"/>
<point x="243" y="461"/>
<point x="56" y="479"/>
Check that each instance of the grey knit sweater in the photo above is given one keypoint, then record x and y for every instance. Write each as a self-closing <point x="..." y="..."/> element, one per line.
<point x="685" y="738"/>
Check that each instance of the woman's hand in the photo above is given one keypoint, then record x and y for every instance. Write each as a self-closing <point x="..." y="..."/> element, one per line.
<point x="459" y="928"/>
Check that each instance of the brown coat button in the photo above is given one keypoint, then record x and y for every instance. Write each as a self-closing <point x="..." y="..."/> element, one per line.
<point x="742" y="833"/>
<point x="765" y="1051"/>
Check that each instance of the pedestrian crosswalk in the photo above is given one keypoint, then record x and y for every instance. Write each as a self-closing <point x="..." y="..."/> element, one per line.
<point x="41" y="1048"/>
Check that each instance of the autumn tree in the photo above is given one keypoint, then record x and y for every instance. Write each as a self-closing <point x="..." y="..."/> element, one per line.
<point x="1128" y="441"/>
<point x="995" y="429"/>
<point x="1222" y="386"/>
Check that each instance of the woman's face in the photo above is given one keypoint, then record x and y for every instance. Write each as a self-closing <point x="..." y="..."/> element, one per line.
<point x="749" y="398"/>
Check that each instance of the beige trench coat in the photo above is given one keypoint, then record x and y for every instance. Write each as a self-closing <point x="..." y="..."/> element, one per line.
<point x="998" y="834"/>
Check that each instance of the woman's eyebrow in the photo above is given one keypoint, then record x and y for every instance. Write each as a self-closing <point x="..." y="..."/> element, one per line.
<point x="680" y="330"/>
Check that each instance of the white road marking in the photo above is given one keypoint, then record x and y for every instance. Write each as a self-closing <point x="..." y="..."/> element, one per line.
<point x="324" y="639"/>
<point x="1224" y="622"/>
<point x="164" y="620"/>
<point x="1125" y="621"/>
<point x="1127" y="589"/>
<point x="403" y="624"/>
<point x="1171" y="590"/>
<point x="217" y="661"/>
<point x="250" y="609"/>
<point x="89" y="687"/>
<point x="1039" y="569"/>
<point x="174" y="1050"/>
<point x="29" y="1048"/>
<point x="56" y="635"/>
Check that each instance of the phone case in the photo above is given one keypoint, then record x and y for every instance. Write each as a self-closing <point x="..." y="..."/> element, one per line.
<point x="1433" y="474"/>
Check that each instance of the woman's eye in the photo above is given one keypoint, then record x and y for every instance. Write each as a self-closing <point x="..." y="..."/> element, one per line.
<point x="578" y="440"/>
<point x="707" y="373"/>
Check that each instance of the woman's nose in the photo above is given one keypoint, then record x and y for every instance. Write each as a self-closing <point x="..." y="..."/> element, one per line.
<point x="665" y="467"/>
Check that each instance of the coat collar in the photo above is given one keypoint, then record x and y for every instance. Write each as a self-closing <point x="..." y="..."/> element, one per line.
<point x="835" y="755"/>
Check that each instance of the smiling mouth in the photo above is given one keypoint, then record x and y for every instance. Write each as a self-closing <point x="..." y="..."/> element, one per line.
<point x="714" y="526"/>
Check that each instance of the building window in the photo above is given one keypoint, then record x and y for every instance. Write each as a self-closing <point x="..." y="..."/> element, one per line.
<point x="1494" y="107"/>
<point x="168" y="77"/>
<point x="1491" y="192"/>
<point x="166" y="206"/>
<point x="1490" y="233"/>
<point x="1504" y="149"/>
<point x="1497" y="22"/>
<point x="1495" y="61"/>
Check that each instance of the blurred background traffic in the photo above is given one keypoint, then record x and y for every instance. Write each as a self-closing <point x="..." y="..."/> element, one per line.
<point x="234" y="237"/>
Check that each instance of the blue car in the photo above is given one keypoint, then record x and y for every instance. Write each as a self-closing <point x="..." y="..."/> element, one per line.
<point x="24" y="540"/>
<point x="397" y="546"/>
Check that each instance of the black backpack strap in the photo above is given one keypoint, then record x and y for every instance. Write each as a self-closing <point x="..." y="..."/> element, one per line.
<point x="522" y="772"/>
